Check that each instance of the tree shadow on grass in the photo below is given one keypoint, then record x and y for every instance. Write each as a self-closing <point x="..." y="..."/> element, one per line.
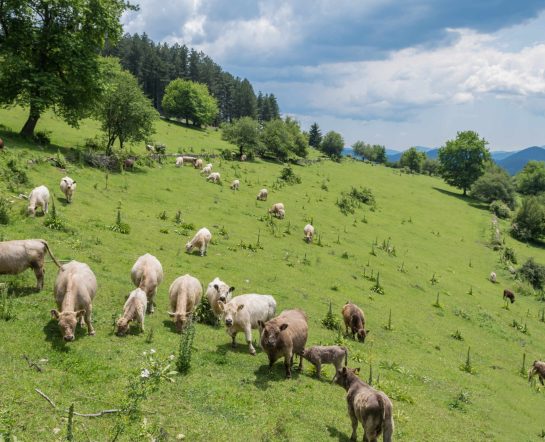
<point x="240" y="348"/>
<point x="336" y="434"/>
<point x="471" y="201"/>
<point x="264" y="376"/>
<point x="12" y="140"/>
<point x="182" y="124"/>
<point x="21" y="292"/>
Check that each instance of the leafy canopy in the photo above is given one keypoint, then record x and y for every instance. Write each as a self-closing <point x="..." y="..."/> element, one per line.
<point x="529" y="222"/>
<point x="375" y="153"/>
<point x="315" y="136"/>
<point x="463" y="159"/>
<point x="413" y="160"/>
<point x="243" y="133"/>
<point x="332" y="144"/>
<point x="531" y="179"/>
<point x="495" y="185"/>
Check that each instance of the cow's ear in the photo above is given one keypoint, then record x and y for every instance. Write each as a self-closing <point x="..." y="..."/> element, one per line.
<point x="283" y="326"/>
<point x="261" y="323"/>
<point x="221" y="305"/>
<point x="80" y="313"/>
<point x="74" y="182"/>
<point x="55" y="314"/>
<point x="240" y="307"/>
<point x="216" y="287"/>
<point x="231" y="289"/>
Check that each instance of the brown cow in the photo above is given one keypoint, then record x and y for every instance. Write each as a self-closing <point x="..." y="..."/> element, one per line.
<point x="508" y="294"/>
<point x="366" y="405"/>
<point x="355" y="319"/>
<point x="285" y="335"/>
<point x="538" y="367"/>
<point x="18" y="255"/>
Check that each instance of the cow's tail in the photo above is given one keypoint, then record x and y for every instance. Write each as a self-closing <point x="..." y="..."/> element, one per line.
<point x="50" y="254"/>
<point x="387" y="423"/>
<point x="345" y="356"/>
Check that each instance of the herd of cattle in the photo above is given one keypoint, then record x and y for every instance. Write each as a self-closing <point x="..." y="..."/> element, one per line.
<point x="283" y="335"/>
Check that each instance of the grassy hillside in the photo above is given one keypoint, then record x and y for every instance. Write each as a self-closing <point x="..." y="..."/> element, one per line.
<point x="441" y="243"/>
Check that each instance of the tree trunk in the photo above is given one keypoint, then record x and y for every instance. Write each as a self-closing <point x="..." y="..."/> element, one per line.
<point x="32" y="120"/>
<point x="465" y="191"/>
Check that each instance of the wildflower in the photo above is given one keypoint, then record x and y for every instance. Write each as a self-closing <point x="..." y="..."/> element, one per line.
<point x="171" y="357"/>
<point x="145" y="353"/>
<point x="152" y="351"/>
<point x="144" y="374"/>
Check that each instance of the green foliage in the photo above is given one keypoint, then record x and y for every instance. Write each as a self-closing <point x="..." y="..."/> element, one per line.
<point x="6" y="304"/>
<point x="332" y="144"/>
<point x="42" y="137"/>
<point x="460" y="402"/>
<point x="282" y="139"/>
<point x="509" y="255"/>
<point x="70" y="424"/>
<point x="495" y="185"/>
<point x="529" y="222"/>
<point x="243" y="133"/>
<point x="267" y="107"/>
<point x="14" y="175"/>
<point x="204" y="314"/>
<point x="314" y="136"/>
<point x="288" y="175"/>
<point x="5" y="209"/>
<point x="531" y="179"/>
<point x="124" y="111"/>
<point x="463" y="159"/>
<point x="183" y="362"/>
<point x="457" y="335"/>
<point x="53" y="220"/>
<point x="467" y="366"/>
<point x="186" y="99"/>
<point x="500" y="209"/>
<point x="377" y="287"/>
<point x="533" y="273"/>
<point x="375" y="153"/>
<point x="413" y="160"/>
<point x="430" y="167"/>
<point x="50" y="54"/>
<point x="120" y="226"/>
<point x="348" y="202"/>
<point x="330" y="321"/>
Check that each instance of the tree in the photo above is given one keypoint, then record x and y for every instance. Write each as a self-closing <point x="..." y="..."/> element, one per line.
<point x="315" y="136"/>
<point x="50" y="54"/>
<point x="243" y="133"/>
<point x="431" y="167"/>
<point x="463" y="159"/>
<point x="283" y="138"/>
<point x="531" y="179"/>
<point x="529" y="222"/>
<point x="190" y="101"/>
<point x="495" y="185"/>
<point x="375" y="153"/>
<point x="123" y="110"/>
<point x="413" y="159"/>
<point x="332" y="144"/>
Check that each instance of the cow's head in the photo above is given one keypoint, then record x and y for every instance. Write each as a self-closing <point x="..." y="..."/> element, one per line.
<point x="188" y="247"/>
<point x="67" y="322"/>
<point x="342" y="376"/>
<point x="362" y="334"/>
<point x="122" y="326"/>
<point x="223" y="291"/>
<point x="230" y="311"/>
<point x="180" y="320"/>
<point x="271" y="333"/>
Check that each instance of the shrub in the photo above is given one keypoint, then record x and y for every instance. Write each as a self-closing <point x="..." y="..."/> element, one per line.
<point x="15" y="175"/>
<point x="183" y="363"/>
<point x="288" y="175"/>
<point x="529" y="222"/>
<point x="509" y="255"/>
<point x="204" y="313"/>
<point x="43" y="137"/>
<point x="495" y="185"/>
<point x="331" y="322"/>
<point x="500" y="209"/>
<point x="363" y="195"/>
<point x="533" y="273"/>
<point x="120" y="226"/>
<point x="5" y="209"/>
<point x="53" y="220"/>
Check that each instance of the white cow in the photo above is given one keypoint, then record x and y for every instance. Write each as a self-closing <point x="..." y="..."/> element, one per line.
<point x="218" y="291"/>
<point x="38" y="197"/>
<point x="309" y="232"/>
<point x="147" y="274"/>
<point x="235" y="184"/>
<point x="207" y="170"/>
<point x="134" y="310"/>
<point x="493" y="277"/>
<point x="242" y="314"/>
<point x="200" y="240"/>
<point x="278" y="210"/>
<point x="185" y="294"/>
<point x="68" y="186"/>
<point x="263" y="194"/>
<point x="214" y="177"/>
<point x="179" y="161"/>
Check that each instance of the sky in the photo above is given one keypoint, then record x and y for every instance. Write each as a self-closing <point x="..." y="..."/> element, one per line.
<point x="397" y="73"/>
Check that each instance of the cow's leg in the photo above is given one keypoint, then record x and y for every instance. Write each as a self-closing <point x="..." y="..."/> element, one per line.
<point x="151" y="300"/>
<point x="541" y="379"/>
<point x="300" y="363"/>
<point x="288" y="361"/>
<point x="233" y="335"/>
<point x="88" y="312"/>
<point x="39" y="271"/>
<point x="248" y="335"/>
<point x="46" y="207"/>
<point x="354" y="421"/>
<point x="319" y="369"/>
<point x="271" y="362"/>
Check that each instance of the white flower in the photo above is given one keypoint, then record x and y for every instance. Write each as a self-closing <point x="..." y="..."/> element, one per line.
<point x="152" y="351"/>
<point x="145" y="353"/>
<point x="144" y="373"/>
<point x="171" y="357"/>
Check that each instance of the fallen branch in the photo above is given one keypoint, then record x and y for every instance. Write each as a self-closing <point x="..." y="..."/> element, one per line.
<point x="32" y="364"/>
<point x="100" y="413"/>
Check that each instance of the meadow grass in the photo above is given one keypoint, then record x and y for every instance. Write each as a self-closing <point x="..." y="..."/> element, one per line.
<point x="441" y="242"/>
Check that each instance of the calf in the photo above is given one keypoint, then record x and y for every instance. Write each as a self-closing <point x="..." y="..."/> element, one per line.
<point x="18" y="255"/>
<point x="128" y="164"/>
<point x="278" y="210"/>
<point x="133" y="310"/>
<point x="68" y="186"/>
<point x="309" y="233"/>
<point x="285" y="336"/>
<point x="493" y="277"/>
<point x="197" y="163"/>
<point x="201" y="240"/>
<point x="218" y="291"/>
<point x="262" y="195"/>
<point x="366" y="405"/>
<point x="245" y="313"/>
<point x="538" y="368"/>
<point x="38" y="197"/>
<point x="355" y="319"/>
<point x="235" y="184"/>
<point x="185" y="294"/>
<point x="214" y="177"/>
<point x="75" y="288"/>
<point x="147" y="274"/>
<point x="508" y="294"/>
<point x="332" y="354"/>
<point x="179" y="161"/>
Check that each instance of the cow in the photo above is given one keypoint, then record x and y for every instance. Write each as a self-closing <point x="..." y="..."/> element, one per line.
<point x="538" y="368"/>
<point x="309" y="233"/>
<point x="235" y="185"/>
<point x="185" y="294"/>
<point x="262" y="195"/>
<point x="214" y="177"/>
<point x="75" y="288"/>
<point x="133" y="310"/>
<point x="493" y="277"/>
<point x="285" y="335"/>
<point x="128" y="164"/>
<point x="366" y="405"/>
<point x="331" y="354"/>
<point x="39" y="196"/>
<point x="218" y="291"/>
<point x="200" y="240"/>
<point x="355" y="319"/>
<point x="198" y="163"/>
<point x="278" y="210"/>
<point x="18" y="255"/>
<point x="179" y="161"/>
<point x="147" y="274"/>
<point x="508" y="294"/>
<point x="68" y="186"/>
<point x="245" y="313"/>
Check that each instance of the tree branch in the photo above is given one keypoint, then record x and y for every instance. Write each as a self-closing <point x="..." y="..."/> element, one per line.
<point x="42" y="394"/>
<point x="100" y="413"/>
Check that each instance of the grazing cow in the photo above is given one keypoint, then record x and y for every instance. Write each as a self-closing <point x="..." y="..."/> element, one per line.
<point x="68" y="186"/>
<point x="185" y="294"/>
<point x="243" y="157"/>
<point x="200" y="240"/>
<point x="245" y="313"/>
<point x="18" y="255"/>
<point x="128" y="164"/>
<point x="207" y="170"/>
<point x="509" y="295"/>
<point x="179" y="161"/>
<point x="366" y="405"/>
<point x="218" y="291"/>
<point x="355" y="319"/>
<point x="38" y="197"/>
<point x="309" y="233"/>
<point x="332" y="354"/>
<point x="198" y="163"/>
<point x="235" y="184"/>
<point x="278" y="210"/>
<point x="262" y="195"/>
<point x="285" y="336"/>
<point x="214" y="177"/>
<point x="538" y="368"/>
<point x="493" y="277"/>
<point x="134" y="310"/>
<point x="75" y="288"/>
<point x="147" y="274"/>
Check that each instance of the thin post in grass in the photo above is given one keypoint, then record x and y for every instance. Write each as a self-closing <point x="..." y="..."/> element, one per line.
<point x="70" y="424"/>
<point x="258" y="237"/>
<point x="542" y="318"/>
<point x="437" y="303"/>
<point x="389" y="326"/>
<point x="523" y="367"/>
<point x="370" y="373"/>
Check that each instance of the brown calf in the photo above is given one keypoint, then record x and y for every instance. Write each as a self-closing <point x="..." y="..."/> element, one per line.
<point x="355" y="319"/>
<point x="508" y="294"/>
<point x="538" y="368"/>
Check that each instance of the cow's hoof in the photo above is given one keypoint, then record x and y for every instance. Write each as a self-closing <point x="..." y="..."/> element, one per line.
<point x="92" y="333"/>
<point x="252" y="352"/>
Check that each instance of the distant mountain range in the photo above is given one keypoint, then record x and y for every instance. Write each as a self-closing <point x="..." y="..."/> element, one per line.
<point x="512" y="161"/>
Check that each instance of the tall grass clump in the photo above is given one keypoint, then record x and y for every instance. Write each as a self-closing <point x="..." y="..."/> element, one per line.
<point x="120" y="226"/>
<point x="183" y="363"/>
<point x="53" y="220"/>
<point x="330" y="321"/>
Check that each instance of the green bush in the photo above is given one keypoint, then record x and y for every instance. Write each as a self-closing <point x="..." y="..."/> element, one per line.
<point x="4" y="211"/>
<point x="529" y="222"/>
<point x="500" y="209"/>
<point x="533" y="273"/>
<point x="288" y="175"/>
<point x="43" y="137"/>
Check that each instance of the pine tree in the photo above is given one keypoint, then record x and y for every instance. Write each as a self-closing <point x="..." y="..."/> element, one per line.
<point x="315" y="136"/>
